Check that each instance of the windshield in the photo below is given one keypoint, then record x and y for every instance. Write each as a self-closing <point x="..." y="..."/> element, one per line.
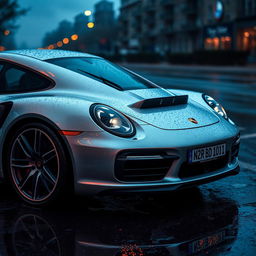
<point x="104" y="71"/>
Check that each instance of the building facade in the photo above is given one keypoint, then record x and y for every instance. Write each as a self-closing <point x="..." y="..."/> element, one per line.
<point x="184" y="26"/>
<point x="104" y="15"/>
<point x="104" y="32"/>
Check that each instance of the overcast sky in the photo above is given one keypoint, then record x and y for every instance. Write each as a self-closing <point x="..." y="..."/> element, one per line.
<point x="44" y="16"/>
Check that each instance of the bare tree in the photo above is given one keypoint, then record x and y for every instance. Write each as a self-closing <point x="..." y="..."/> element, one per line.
<point x="9" y="11"/>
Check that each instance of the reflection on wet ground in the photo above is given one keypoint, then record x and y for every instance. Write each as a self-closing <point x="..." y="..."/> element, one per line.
<point x="181" y="223"/>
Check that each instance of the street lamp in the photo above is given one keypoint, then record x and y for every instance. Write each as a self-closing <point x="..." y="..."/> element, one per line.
<point x="90" y="25"/>
<point x="74" y="37"/>
<point x="87" y="13"/>
<point x="59" y="44"/>
<point x="65" y="41"/>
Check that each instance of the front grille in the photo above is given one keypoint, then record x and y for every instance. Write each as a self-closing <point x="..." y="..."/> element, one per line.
<point x="194" y="169"/>
<point x="148" y="166"/>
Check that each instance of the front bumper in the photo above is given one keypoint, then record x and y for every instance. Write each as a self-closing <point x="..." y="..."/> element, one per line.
<point x="95" y="156"/>
<point x="87" y="187"/>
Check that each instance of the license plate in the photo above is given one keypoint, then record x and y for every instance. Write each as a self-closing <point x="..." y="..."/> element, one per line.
<point x="206" y="242"/>
<point x="207" y="153"/>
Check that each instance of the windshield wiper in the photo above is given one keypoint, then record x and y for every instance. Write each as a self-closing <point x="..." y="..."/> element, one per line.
<point x="104" y="80"/>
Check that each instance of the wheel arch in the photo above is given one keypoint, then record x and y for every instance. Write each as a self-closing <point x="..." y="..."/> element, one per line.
<point x="36" y="118"/>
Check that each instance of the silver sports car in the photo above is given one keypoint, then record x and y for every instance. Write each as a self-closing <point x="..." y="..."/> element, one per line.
<point x="71" y="121"/>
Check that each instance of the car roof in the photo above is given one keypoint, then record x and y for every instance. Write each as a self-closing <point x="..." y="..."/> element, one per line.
<point x="45" y="54"/>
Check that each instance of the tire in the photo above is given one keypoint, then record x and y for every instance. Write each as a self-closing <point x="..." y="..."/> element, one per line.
<point x="36" y="165"/>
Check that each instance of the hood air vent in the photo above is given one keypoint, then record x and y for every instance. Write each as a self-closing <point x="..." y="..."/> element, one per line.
<point x="161" y="102"/>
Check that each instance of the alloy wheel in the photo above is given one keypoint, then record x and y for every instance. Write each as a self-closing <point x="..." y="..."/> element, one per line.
<point x="34" y="164"/>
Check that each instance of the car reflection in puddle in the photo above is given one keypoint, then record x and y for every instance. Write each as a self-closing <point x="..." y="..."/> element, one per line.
<point x="201" y="227"/>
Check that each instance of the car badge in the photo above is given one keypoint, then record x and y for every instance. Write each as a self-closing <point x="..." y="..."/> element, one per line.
<point x="193" y="120"/>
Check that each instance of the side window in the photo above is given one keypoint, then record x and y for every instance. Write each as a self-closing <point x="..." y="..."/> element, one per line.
<point x="2" y="80"/>
<point x="15" y="79"/>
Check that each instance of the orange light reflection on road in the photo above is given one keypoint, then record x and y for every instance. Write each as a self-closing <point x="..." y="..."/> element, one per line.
<point x="131" y="250"/>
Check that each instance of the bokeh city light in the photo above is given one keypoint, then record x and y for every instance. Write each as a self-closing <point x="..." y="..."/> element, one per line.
<point x="90" y="24"/>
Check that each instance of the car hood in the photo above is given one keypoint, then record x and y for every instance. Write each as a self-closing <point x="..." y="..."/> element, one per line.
<point x="171" y="117"/>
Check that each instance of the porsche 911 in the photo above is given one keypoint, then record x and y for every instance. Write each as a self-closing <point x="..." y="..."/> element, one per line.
<point x="74" y="122"/>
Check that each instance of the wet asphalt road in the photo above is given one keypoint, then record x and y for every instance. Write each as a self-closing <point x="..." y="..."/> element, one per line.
<point x="216" y="219"/>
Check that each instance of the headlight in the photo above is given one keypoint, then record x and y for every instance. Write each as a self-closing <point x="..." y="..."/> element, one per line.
<point x="112" y="120"/>
<point x="215" y="106"/>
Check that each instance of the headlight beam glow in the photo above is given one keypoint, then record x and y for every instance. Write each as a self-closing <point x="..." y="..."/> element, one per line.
<point x="112" y="120"/>
<point x="217" y="107"/>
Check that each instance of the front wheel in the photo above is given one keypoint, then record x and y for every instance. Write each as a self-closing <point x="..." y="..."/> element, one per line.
<point x="36" y="164"/>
